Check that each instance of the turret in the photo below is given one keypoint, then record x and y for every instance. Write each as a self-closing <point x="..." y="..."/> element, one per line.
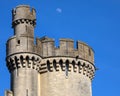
<point x="23" y="23"/>
<point x="23" y="20"/>
<point x="22" y="61"/>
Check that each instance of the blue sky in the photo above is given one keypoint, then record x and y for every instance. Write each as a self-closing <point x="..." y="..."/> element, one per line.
<point x="96" y="22"/>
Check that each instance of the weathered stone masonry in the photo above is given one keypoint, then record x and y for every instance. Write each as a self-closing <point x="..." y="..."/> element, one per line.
<point x="42" y="69"/>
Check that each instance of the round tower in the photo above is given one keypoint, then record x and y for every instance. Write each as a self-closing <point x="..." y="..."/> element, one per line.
<point x="66" y="71"/>
<point x="22" y="61"/>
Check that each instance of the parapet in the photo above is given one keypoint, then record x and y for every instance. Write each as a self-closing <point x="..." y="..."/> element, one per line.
<point x="23" y="13"/>
<point x="46" y="48"/>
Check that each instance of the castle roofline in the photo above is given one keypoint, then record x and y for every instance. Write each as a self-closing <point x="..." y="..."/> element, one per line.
<point x="23" y="5"/>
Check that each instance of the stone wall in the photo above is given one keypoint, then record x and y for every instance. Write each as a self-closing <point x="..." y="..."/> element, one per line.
<point x="65" y="76"/>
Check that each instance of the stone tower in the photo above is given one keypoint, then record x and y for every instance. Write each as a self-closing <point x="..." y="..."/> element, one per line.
<point x="42" y="69"/>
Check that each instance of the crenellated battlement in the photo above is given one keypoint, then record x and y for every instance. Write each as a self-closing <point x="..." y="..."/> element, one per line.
<point x="46" y="48"/>
<point x="23" y="14"/>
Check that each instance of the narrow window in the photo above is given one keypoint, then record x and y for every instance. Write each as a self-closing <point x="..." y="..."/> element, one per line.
<point x="18" y="41"/>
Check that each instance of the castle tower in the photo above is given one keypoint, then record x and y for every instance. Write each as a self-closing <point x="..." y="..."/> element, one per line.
<point x="42" y="69"/>
<point x="22" y="61"/>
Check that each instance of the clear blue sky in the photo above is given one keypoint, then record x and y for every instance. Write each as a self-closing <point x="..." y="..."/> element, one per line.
<point x="96" y="22"/>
